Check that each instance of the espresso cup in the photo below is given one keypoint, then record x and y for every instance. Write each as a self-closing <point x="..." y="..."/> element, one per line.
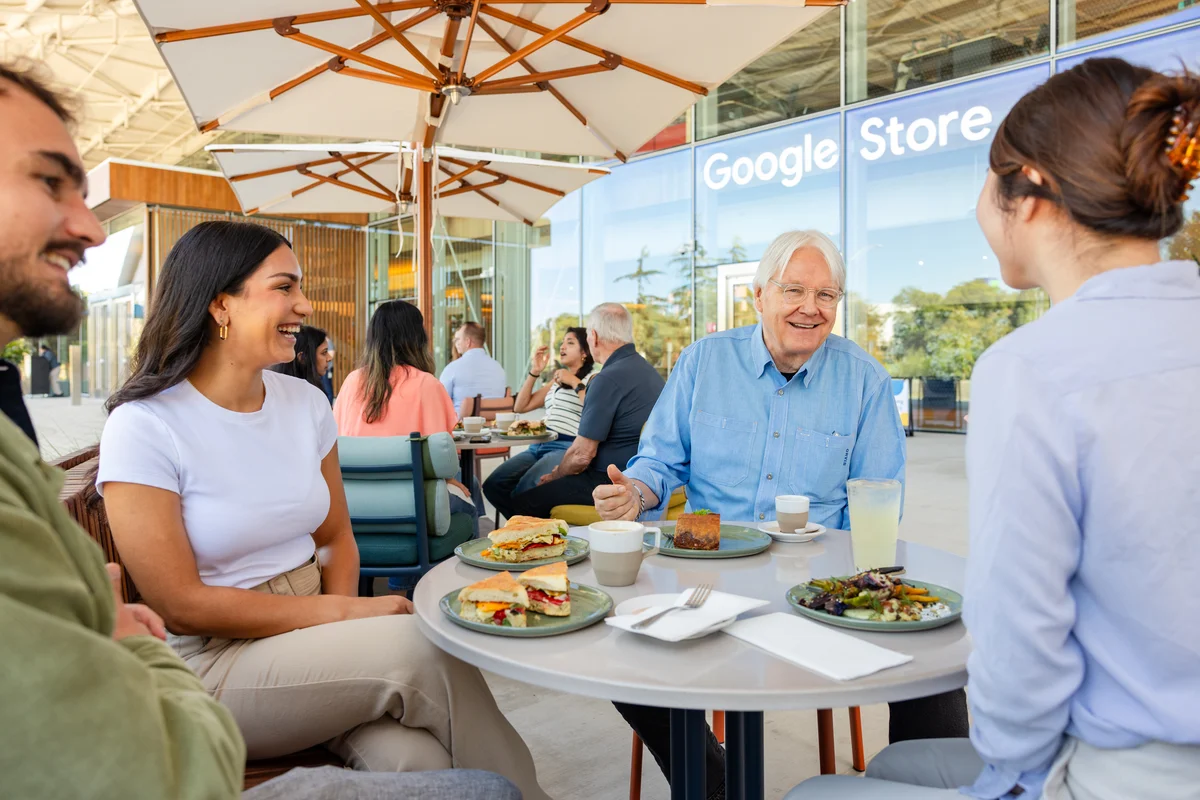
<point x="504" y="419"/>
<point x="617" y="550"/>
<point x="473" y="424"/>
<point x="792" y="512"/>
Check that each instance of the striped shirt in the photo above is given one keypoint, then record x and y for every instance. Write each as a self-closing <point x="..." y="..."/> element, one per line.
<point x="564" y="408"/>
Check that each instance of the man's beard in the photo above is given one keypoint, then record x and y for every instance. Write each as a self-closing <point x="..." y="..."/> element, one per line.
<point x="37" y="309"/>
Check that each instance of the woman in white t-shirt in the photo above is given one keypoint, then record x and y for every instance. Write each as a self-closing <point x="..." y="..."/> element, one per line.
<point x="562" y="397"/>
<point x="223" y="491"/>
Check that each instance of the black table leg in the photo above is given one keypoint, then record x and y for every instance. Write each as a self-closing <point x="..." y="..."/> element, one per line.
<point x="688" y="749"/>
<point x="744" y="755"/>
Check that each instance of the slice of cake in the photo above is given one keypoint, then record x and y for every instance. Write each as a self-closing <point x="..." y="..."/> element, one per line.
<point x="698" y="531"/>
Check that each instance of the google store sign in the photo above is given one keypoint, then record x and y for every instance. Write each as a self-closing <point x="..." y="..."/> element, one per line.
<point x="880" y="137"/>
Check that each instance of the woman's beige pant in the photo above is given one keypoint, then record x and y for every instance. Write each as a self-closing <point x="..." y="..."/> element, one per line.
<point x="374" y="691"/>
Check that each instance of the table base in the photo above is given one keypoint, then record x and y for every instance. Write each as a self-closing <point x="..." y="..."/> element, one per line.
<point x="744" y="755"/>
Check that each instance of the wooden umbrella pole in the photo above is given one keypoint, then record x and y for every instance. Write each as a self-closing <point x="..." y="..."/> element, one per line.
<point x="424" y="234"/>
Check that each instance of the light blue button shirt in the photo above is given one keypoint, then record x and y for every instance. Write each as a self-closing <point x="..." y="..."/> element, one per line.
<point x="1083" y="463"/>
<point x="736" y="433"/>
<point x="472" y="373"/>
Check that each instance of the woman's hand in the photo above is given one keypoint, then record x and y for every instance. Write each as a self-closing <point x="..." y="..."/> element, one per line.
<point x="387" y="605"/>
<point x="567" y="378"/>
<point x="541" y="360"/>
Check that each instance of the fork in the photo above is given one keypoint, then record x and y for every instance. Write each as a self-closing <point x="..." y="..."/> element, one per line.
<point x="698" y="597"/>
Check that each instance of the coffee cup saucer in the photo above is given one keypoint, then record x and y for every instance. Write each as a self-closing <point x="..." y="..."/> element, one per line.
<point x="807" y="535"/>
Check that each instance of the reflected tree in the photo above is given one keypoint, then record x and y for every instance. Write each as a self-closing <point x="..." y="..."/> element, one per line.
<point x="1186" y="243"/>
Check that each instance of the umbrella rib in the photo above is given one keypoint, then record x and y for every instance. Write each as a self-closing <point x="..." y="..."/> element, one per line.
<point x="399" y="36"/>
<point x="636" y="66"/>
<point x="164" y="37"/>
<point x="263" y="173"/>
<point x="361" y="173"/>
<point x="538" y="77"/>
<point x="474" y="187"/>
<point x="420" y="84"/>
<point x="521" y="181"/>
<point x="487" y="196"/>
<point x="290" y="31"/>
<point x="335" y="182"/>
<point x="555" y="93"/>
<point x="462" y="62"/>
<point x="454" y="177"/>
<point x="595" y="9"/>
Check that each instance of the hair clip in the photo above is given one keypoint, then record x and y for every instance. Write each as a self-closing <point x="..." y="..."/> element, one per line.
<point x="1183" y="148"/>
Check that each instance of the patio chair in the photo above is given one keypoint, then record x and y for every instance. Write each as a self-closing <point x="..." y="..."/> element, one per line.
<point x="86" y="507"/>
<point x="399" y="505"/>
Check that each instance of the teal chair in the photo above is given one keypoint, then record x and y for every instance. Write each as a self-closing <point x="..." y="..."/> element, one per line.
<point x="399" y="505"/>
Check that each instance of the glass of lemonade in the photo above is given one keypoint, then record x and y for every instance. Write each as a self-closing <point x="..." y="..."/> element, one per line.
<point x="874" y="521"/>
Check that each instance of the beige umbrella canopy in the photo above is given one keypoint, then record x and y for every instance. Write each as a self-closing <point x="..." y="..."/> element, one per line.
<point x="370" y="177"/>
<point x="598" y="77"/>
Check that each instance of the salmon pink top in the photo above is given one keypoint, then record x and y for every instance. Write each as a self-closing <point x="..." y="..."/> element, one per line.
<point x="419" y="403"/>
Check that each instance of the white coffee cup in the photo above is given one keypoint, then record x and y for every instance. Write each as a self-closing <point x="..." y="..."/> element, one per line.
<point x="617" y="550"/>
<point x="473" y="424"/>
<point x="504" y="419"/>
<point x="792" y="512"/>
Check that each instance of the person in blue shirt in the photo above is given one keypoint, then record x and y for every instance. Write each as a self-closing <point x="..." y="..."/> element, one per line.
<point x="474" y="372"/>
<point x="1083" y="463"/>
<point x="782" y="407"/>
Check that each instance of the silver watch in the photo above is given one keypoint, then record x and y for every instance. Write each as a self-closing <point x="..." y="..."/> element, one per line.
<point x="641" y="499"/>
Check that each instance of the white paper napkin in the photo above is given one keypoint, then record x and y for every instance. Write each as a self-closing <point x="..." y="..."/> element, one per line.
<point x="815" y="646"/>
<point x="679" y="625"/>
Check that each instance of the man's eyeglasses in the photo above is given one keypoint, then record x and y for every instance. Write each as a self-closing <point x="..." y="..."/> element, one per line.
<point x="794" y="294"/>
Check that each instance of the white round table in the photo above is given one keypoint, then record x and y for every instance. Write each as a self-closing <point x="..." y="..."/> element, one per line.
<point x="718" y="671"/>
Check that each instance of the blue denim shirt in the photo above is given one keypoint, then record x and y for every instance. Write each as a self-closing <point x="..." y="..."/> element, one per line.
<point x="1083" y="465"/>
<point x="732" y="429"/>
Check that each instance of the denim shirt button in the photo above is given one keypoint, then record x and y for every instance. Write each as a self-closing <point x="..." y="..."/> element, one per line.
<point x="780" y="393"/>
<point x="776" y="434"/>
<point x="762" y="516"/>
<point x="770" y="476"/>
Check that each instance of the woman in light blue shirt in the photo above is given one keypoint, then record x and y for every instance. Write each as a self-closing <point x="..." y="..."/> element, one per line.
<point x="1083" y="462"/>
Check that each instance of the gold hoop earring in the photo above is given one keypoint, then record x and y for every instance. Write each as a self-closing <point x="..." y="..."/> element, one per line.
<point x="223" y="332"/>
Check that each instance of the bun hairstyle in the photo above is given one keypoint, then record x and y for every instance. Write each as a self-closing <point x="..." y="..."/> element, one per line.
<point x="1098" y="135"/>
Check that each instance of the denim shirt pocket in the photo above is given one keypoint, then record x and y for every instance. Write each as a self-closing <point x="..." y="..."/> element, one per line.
<point x="721" y="448"/>
<point x="820" y="465"/>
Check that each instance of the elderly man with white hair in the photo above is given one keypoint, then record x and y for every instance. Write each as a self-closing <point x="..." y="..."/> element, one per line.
<point x="782" y="407"/>
<point x="619" y="400"/>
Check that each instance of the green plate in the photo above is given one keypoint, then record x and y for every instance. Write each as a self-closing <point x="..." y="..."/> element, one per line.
<point x="540" y="438"/>
<point x="588" y="606"/>
<point x="736" y="542"/>
<point x="951" y="598"/>
<point x="577" y="550"/>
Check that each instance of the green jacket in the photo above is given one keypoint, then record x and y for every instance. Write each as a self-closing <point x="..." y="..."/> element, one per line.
<point x="82" y="716"/>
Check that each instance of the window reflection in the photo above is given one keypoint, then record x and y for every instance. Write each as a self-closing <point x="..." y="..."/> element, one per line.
<point x="925" y="295"/>
<point x="800" y="76"/>
<point x="554" y="272"/>
<point x="463" y="283"/>
<point x="636" y="251"/>
<point x="896" y="45"/>
<point x="1092" y="21"/>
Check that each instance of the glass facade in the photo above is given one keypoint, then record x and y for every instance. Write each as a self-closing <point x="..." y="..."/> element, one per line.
<point x="894" y="180"/>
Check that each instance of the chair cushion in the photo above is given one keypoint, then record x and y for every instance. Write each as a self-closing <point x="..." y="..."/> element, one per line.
<point x="440" y="456"/>
<point x="576" y="515"/>
<point x="390" y="499"/>
<point x="400" y="549"/>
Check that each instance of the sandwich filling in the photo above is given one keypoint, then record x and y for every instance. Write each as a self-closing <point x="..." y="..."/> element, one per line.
<point x="549" y="598"/>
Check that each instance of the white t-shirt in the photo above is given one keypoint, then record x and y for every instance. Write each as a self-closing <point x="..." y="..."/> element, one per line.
<point x="250" y="485"/>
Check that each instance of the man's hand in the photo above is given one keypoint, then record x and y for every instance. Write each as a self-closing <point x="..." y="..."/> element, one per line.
<point x="552" y="475"/>
<point x="133" y="619"/>
<point x="618" y="501"/>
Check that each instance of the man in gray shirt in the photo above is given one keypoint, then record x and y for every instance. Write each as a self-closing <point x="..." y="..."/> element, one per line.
<point x="619" y="401"/>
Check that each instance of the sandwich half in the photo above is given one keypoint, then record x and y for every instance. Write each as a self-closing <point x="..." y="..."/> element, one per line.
<point x="527" y="539"/>
<point x="548" y="588"/>
<point x="498" y="600"/>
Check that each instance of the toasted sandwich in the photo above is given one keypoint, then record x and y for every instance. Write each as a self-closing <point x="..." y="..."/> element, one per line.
<point x="548" y="588"/>
<point x="527" y="427"/>
<point x="498" y="600"/>
<point x="527" y="539"/>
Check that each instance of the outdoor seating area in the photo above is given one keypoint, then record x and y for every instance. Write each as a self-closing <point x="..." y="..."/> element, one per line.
<point x="604" y="399"/>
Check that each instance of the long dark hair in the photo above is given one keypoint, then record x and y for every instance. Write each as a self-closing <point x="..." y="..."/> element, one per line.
<point x="304" y="365"/>
<point x="395" y="338"/>
<point x="589" y="363"/>
<point x="210" y="259"/>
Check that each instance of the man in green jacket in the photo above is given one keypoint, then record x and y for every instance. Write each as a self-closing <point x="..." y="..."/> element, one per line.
<point x="93" y="703"/>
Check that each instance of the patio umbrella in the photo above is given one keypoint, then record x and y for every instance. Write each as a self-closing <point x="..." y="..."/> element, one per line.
<point x="370" y="177"/>
<point x="579" y="77"/>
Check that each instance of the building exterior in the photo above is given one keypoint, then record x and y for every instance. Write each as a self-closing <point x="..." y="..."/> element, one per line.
<point x="872" y="125"/>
